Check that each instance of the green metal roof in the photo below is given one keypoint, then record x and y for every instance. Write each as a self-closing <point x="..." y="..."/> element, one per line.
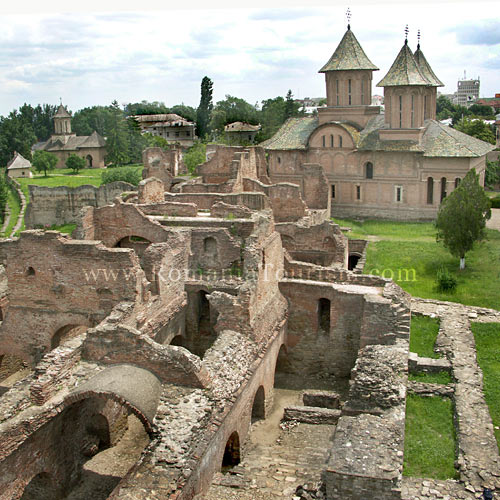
<point x="426" y="69"/>
<point x="348" y="55"/>
<point x="404" y="71"/>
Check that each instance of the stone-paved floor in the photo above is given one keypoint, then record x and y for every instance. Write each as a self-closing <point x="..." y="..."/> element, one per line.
<point x="276" y="459"/>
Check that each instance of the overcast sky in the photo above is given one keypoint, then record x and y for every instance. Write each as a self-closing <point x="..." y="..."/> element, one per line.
<point x="107" y="50"/>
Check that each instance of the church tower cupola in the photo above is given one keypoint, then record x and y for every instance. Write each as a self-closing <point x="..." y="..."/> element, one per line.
<point x="62" y="121"/>
<point x="348" y="77"/>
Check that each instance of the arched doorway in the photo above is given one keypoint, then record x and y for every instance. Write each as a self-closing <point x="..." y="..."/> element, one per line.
<point x="65" y="333"/>
<point x="352" y="261"/>
<point x="42" y="487"/>
<point x="90" y="161"/>
<point x="324" y="306"/>
<point x="231" y="455"/>
<point x="259" y="405"/>
<point x="137" y="243"/>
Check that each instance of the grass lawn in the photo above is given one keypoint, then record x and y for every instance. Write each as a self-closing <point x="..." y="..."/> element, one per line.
<point x="431" y="378"/>
<point x="65" y="228"/>
<point x="63" y="177"/>
<point x="423" y="333"/>
<point x="429" y="438"/>
<point x="487" y="337"/>
<point x="15" y="208"/>
<point x="409" y="254"/>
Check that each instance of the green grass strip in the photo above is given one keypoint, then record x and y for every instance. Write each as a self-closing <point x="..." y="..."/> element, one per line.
<point x="15" y="209"/>
<point x="487" y="337"/>
<point x="431" y="378"/>
<point x="429" y="438"/>
<point x="423" y="334"/>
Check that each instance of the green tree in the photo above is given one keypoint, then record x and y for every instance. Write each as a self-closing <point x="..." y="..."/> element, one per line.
<point x="462" y="217"/>
<point x="484" y="111"/>
<point x="187" y="112"/>
<point x="194" y="156"/>
<point x="232" y="109"/>
<point x="3" y="195"/>
<point x="476" y="128"/>
<point x="272" y="116"/>
<point x="444" y="108"/>
<point x="43" y="161"/>
<point x="146" y="108"/>
<point x="492" y="174"/>
<point x="87" y="120"/>
<point x="291" y="107"/>
<point x="204" y="111"/>
<point x="16" y="134"/>
<point x="117" y="144"/>
<point x="75" y="163"/>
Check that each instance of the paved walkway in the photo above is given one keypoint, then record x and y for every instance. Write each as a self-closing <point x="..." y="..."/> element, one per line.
<point x="494" y="222"/>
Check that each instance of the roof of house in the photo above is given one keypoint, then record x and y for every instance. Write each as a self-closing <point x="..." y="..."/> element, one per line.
<point x="18" y="162"/>
<point x="438" y="140"/>
<point x="165" y="120"/>
<point x="425" y="68"/>
<point x="62" y="112"/>
<point x="404" y="70"/>
<point x="349" y="55"/>
<point x="241" y="127"/>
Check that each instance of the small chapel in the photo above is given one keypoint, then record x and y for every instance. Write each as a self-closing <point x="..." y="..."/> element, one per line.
<point x="65" y="142"/>
<point x="395" y="164"/>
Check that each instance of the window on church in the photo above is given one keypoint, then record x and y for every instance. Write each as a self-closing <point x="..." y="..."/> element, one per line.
<point x="426" y="114"/>
<point x="279" y="159"/>
<point x="430" y="190"/>
<point x="337" y="91"/>
<point x="324" y="140"/>
<point x="333" y="191"/>
<point x="362" y="91"/>
<point x="400" y="111"/>
<point x="457" y="182"/>
<point x="399" y="194"/>
<point x="331" y="141"/>
<point x="358" y="192"/>
<point x="412" y="110"/>
<point x="369" y="170"/>
<point x="340" y="141"/>
<point x="349" y="90"/>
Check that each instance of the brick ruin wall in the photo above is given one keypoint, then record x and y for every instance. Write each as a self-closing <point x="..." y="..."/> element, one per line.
<point x="61" y="205"/>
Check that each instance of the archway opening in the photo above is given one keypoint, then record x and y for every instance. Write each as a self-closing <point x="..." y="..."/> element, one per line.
<point x="282" y="361"/>
<point x="430" y="190"/>
<point x="443" y="188"/>
<point x="210" y="258"/>
<point x="324" y="306"/>
<point x="352" y="261"/>
<point x="231" y="455"/>
<point x="204" y="326"/>
<point x="42" y="487"/>
<point x="65" y="333"/>
<point x="178" y="340"/>
<point x="90" y="161"/>
<point x="259" y="405"/>
<point x="137" y="243"/>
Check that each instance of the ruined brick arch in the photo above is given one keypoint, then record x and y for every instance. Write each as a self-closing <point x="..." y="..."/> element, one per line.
<point x="66" y="332"/>
<point x="42" y="486"/>
<point x="282" y="363"/>
<point x="109" y="395"/>
<point x="259" y="405"/>
<point x="232" y="453"/>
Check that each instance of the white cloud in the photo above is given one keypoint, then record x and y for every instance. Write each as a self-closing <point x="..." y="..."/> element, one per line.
<point x="103" y="50"/>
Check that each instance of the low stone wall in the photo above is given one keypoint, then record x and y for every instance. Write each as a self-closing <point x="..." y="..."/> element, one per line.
<point x="61" y="205"/>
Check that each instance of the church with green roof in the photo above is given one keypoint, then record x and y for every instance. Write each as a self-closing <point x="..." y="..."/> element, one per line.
<point x="398" y="164"/>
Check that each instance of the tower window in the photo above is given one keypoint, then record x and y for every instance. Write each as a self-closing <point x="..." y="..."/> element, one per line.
<point x="430" y="191"/>
<point x="358" y="192"/>
<point x="337" y="91"/>
<point x="369" y="170"/>
<point x="324" y="140"/>
<point x="333" y="191"/>
<point x="412" y="110"/>
<point x="400" y="111"/>
<point x="331" y="140"/>
<point x="279" y="159"/>
<point x="426" y="114"/>
<point x="350" y="86"/>
<point x="340" y="141"/>
<point x="362" y="91"/>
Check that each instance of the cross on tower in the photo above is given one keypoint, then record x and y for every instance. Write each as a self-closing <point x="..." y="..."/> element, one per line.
<point x="418" y="39"/>
<point x="348" y="15"/>
<point x="406" y="34"/>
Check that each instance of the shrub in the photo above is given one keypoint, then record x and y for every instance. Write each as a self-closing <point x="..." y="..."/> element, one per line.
<point x="195" y="156"/>
<point x="126" y="174"/>
<point x="495" y="202"/>
<point x="446" y="282"/>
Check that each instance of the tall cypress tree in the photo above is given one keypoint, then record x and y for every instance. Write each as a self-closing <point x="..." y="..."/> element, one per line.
<point x="204" y="111"/>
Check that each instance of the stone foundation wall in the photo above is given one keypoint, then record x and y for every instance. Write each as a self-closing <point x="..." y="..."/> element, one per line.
<point x="62" y="205"/>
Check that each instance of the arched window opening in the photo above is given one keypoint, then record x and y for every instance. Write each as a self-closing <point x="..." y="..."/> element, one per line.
<point x="203" y="313"/>
<point x="279" y="159"/>
<point x="137" y="243"/>
<point x="324" y="306"/>
<point x="340" y="141"/>
<point x="333" y="191"/>
<point x="282" y="361"/>
<point x="231" y="455"/>
<point x="443" y="188"/>
<point x="430" y="190"/>
<point x="178" y="340"/>
<point x="350" y="90"/>
<point x="352" y="261"/>
<point x="30" y="271"/>
<point x="42" y="487"/>
<point x="331" y="141"/>
<point x="210" y="245"/>
<point x="457" y="182"/>
<point x="323" y="139"/>
<point x="259" y="405"/>
<point x="337" y="92"/>
<point x="362" y="91"/>
<point x="89" y="161"/>
<point x="65" y="333"/>
<point x="358" y="192"/>
<point x="400" y="111"/>
<point x="369" y="170"/>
